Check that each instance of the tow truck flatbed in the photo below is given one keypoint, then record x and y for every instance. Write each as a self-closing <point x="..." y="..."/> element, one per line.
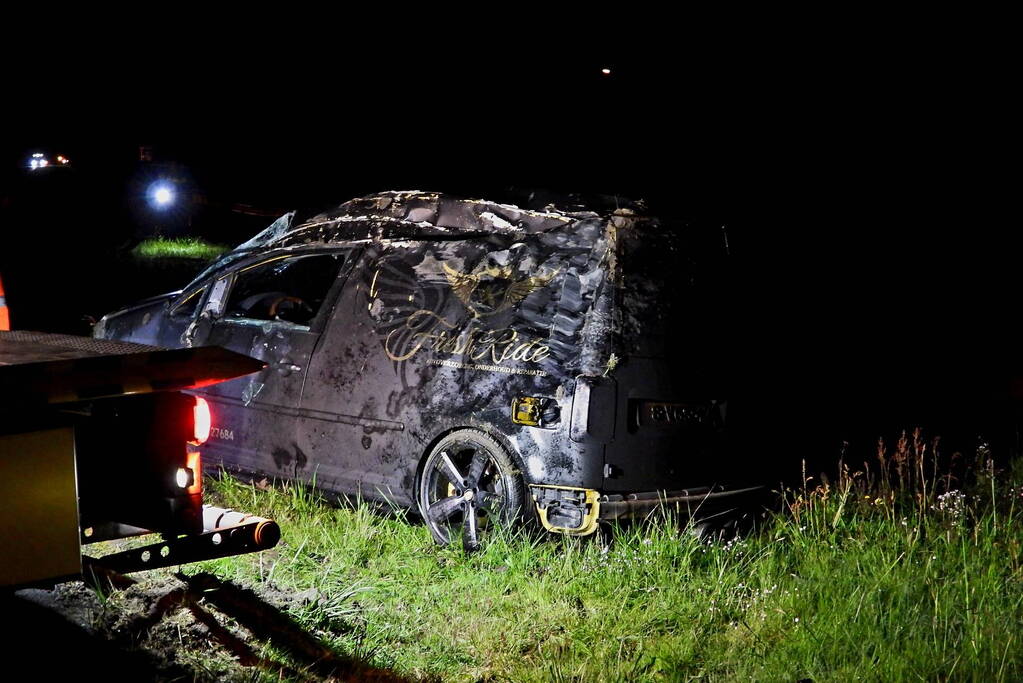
<point x="96" y="443"/>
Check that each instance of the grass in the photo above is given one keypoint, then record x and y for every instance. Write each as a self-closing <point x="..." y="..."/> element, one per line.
<point x="178" y="247"/>
<point x="889" y="573"/>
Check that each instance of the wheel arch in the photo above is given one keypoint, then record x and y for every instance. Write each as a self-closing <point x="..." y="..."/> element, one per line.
<point x="487" y="429"/>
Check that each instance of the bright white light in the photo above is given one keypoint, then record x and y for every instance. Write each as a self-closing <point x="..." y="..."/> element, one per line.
<point x="35" y="164"/>
<point x="605" y="71"/>
<point x="162" y="195"/>
<point x="43" y="162"/>
<point x="183" y="477"/>
<point x="37" y="155"/>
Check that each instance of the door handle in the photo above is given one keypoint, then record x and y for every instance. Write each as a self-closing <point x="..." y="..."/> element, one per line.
<point x="288" y="368"/>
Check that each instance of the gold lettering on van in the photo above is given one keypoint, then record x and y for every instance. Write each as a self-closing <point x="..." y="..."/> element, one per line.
<point x="433" y="333"/>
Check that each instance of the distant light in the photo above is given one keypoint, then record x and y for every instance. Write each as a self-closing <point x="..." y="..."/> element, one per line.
<point x="162" y="194"/>
<point x="605" y="71"/>
<point x="37" y="161"/>
<point x="60" y="158"/>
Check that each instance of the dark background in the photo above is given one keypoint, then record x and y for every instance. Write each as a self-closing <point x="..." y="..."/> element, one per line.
<point x="862" y="169"/>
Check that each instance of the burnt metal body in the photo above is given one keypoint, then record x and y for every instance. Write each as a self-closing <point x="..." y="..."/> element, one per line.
<point x="575" y="336"/>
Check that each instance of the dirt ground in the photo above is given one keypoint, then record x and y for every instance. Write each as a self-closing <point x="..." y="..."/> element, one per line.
<point x="162" y="626"/>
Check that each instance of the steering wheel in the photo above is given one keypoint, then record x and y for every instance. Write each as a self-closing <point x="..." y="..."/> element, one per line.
<point x="299" y="303"/>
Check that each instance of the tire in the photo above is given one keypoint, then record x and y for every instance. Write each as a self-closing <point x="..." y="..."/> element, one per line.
<point x="468" y="485"/>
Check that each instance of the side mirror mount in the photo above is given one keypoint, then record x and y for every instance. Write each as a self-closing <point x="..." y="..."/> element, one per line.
<point x="198" y="331"/>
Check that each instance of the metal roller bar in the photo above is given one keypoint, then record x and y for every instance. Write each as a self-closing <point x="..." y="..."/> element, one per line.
<point x="226" y="533"/>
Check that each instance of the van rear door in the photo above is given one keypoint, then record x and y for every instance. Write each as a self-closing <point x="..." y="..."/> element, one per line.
<point x="671" y="383"/>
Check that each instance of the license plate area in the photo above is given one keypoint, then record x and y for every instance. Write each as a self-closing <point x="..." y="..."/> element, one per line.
<point x="670" y="414"/>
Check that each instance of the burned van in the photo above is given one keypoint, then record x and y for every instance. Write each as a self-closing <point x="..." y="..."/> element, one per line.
<point x="475" y="360"/>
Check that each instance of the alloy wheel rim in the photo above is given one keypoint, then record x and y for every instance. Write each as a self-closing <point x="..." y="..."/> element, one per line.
<point x="477" y="498"/>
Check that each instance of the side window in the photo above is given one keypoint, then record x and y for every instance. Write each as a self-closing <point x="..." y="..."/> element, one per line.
<point x="188" y="306"/>
<point x="290" y="288"/>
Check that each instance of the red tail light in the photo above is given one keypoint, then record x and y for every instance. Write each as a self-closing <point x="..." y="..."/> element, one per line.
<point x="202" y="420"/>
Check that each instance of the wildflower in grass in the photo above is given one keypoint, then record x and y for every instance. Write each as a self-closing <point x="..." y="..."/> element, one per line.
<point x="952" y="503"/>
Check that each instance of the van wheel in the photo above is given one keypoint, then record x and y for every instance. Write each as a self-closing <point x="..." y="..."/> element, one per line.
<point x="468" y="487"/>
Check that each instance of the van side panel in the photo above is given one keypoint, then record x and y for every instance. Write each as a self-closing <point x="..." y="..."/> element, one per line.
<point x="352" y="431"/>
<point x="431" y="336"/>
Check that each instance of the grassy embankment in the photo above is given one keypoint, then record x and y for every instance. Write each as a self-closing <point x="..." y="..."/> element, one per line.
<point x="876" y="576"/>
<point x="177" y="247"/>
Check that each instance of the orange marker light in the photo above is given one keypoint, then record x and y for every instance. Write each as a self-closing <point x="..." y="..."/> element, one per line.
<point x="5" y="320"/>
<point x="193" y="464"/>
<point x="203" y="420"/>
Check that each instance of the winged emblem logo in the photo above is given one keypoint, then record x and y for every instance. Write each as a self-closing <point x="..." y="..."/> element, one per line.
<point x="493" y="289"/>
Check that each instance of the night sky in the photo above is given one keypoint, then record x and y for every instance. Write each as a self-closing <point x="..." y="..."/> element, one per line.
<point x="862" y="174"/>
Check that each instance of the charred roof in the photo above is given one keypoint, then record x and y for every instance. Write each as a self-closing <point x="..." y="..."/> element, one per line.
<point x="414" y="214"/>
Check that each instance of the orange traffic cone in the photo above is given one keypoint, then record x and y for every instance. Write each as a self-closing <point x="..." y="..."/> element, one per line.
<point x="5" y="318"/>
